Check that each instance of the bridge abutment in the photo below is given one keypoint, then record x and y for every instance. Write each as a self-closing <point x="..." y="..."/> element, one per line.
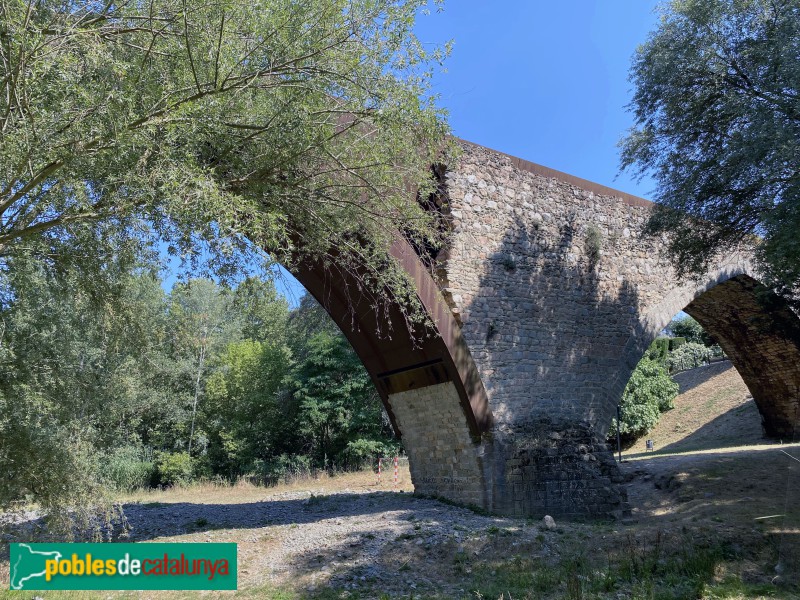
<point x="444" y="459"/>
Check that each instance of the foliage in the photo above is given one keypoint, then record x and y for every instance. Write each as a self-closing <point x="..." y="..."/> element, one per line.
<point x="203" y="323"/>
<point x="658" y="350"/>
<point x="128" y="468"/>
<point x="336" y="401"/>
<point x="686" y="327"/>
<point x="264" y="312"/>
<point x="283" y="469"/>
<point x="173" y="468"/>
<point x="689" y="356"/>
<point x="366" y="451"/>
<point x="675" y="343"/>
<point x="219" y="128"/>
<point x="133" y="375"/>
<point x="649" y="392"/>
<point x="594" y="243"/>
<point x="73" y="380"/>
<point x="245" y="419"/>
<point x="717" y="89"/>
<point x="305" y="321"/>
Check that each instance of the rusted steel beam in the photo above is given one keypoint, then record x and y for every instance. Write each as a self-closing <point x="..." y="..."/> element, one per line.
<point x="396" y="356"/>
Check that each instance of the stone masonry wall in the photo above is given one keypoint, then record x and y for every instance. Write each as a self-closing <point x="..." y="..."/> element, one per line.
<point x="763" y="343"/>
<point x="443" y="459"/>
<point x="558" y="295"/>
<point x="557" y="292"/>
<point x="561" y="469"/>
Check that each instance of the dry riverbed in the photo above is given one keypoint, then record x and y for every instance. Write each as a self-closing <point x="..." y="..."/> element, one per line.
<point x="697" y="531"/>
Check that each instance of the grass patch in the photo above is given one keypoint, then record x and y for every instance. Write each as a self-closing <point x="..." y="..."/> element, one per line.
<point x="647" y="569"/>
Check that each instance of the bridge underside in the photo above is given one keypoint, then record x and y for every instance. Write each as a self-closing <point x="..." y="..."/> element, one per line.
<point x="423" y="373"/>
<point x="761" y="335"/>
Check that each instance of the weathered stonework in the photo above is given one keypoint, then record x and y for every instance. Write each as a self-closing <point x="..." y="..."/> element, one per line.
<point x="558" y="295"/>
<point x="762" y="336"/>
<point x="549" y="295"/>
<point x="443" y="458"/>
<point x="554" y="332"/>
<point x="564" y="469"/>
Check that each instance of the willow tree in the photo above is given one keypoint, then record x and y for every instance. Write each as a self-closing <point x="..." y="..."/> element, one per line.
<point x="300" y="126"/>
<point x="717" y="107"/>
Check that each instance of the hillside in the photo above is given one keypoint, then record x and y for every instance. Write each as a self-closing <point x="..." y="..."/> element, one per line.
<point x="713" y="410"/>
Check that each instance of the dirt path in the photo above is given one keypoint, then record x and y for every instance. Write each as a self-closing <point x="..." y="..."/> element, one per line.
<point x="745" y="495"/>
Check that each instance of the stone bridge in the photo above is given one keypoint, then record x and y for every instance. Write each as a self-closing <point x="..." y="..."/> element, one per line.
<point x="547" y="297"/>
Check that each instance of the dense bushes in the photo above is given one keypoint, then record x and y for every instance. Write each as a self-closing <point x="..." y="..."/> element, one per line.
<point x="689" y="356"/>
<point x="128" y="467"/>
<point x="173" y="468"/>
<point x="649" y="392"/>
<point x="689" y="329"/>
<point x="161" y="389"/>
<point x="281" y="469"/>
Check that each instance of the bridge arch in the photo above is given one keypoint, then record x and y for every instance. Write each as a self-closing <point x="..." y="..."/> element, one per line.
<point x="424" y="374"/>
<point x="559" y="295"/>
<point x="756" y="328"/>
<point x="761" y="334"/>
<point x="549" y="297"/>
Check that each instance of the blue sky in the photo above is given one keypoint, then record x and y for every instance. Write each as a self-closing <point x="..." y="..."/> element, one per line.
<point x="543" y="80"/>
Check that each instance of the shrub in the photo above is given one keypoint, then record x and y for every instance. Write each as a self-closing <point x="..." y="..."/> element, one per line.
<point x="689" y="356"/>
<point x="128" y="468"/>
<point x="173" y="468"/>
<point x="689" y="329"/>
<point x="675" y="343"/>
<point x="283" y="468"/>
<point x="649" y="392"/>
<point x="594" y="244"/>
<point x="362" y="451"/>
<point x="658" y="350"/>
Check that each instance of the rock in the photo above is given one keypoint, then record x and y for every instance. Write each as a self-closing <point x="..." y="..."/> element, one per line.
<point x="548" y="522"/>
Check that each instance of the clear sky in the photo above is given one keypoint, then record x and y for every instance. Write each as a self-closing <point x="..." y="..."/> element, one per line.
<point x="545" y="80"/>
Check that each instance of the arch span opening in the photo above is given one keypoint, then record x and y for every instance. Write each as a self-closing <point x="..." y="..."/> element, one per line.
<point x="424" y="375"/>
<point x="758" y="332"/>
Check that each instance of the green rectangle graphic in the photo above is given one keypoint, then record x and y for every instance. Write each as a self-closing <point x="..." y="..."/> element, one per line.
<point x="156" y="566"/>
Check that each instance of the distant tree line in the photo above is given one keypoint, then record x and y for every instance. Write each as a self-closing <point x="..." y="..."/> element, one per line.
<point x="125" y="385"/>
